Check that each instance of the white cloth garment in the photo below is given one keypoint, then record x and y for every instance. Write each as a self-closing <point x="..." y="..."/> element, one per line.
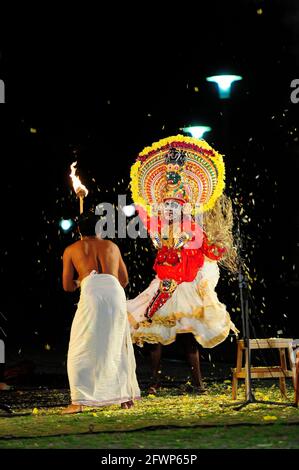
<point x="101" y="363"/>
<point x="193" y="308"/>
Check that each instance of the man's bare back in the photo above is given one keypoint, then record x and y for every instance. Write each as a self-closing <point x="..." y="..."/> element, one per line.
<point x="92" y="253"/>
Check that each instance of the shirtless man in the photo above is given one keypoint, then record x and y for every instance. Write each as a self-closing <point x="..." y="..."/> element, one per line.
<point x="101" y="363"/>
<point x="88" y="254"/>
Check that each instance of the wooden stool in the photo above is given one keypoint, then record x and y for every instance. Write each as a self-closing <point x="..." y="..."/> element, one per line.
<point x="285" y="348"/>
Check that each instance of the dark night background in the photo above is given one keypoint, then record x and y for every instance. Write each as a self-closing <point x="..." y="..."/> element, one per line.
<point x="99" y="97"/>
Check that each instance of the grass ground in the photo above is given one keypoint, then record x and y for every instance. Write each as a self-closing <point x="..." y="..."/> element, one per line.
<point x="173" y="419"/>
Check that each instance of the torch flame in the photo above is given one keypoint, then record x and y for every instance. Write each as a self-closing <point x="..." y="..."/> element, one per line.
<point x="79" y="188"/>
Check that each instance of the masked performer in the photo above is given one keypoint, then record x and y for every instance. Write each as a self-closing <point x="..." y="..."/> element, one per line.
<point x="177" y="187"/>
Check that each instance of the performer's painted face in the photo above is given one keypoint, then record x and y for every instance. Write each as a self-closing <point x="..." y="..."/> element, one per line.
<point x="172" y="210"/>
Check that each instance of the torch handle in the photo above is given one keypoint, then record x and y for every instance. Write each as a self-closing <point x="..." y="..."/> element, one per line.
<point x="81" y="204"/>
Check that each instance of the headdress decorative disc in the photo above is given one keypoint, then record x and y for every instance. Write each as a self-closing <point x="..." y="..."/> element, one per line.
<point x="178" y="167"/>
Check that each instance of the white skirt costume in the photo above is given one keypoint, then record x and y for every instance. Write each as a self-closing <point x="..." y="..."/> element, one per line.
<point x="101" y="362"/>
<point x="193" y="308"/>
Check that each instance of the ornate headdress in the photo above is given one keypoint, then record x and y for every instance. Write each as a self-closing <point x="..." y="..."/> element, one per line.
<point x="181" y="168"/>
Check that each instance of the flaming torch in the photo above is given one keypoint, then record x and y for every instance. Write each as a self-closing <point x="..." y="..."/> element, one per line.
<point x="79" y="188"/>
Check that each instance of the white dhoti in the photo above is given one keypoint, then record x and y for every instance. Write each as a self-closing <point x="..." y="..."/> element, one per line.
<point x="193" y="308"/>
<point x="101" y="363"/>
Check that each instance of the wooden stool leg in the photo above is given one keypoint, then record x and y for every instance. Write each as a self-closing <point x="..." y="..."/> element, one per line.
<point x="246" y="374"/>
<point x="292" y="364"/>
<point x="238" y="369"/>
<point x="282" y="380"/>
<point x="234" y="386"/>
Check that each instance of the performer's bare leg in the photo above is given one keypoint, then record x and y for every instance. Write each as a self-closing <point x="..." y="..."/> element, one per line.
<point x="192" y="353"/>
<point x="155" y="353"/>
